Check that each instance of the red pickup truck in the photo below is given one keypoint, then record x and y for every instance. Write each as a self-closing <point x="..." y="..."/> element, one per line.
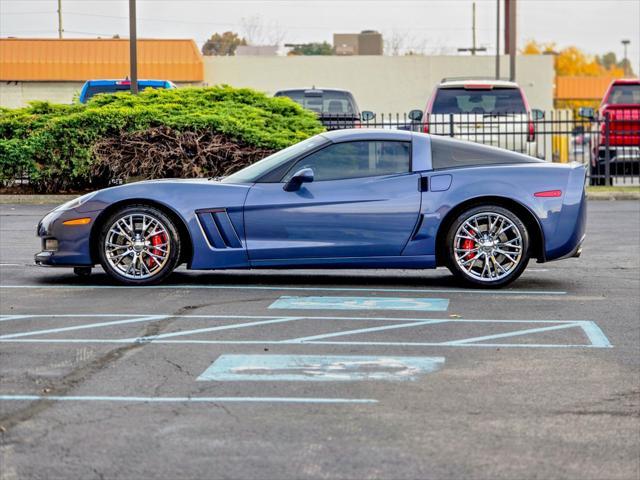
<point x="618" y="130"/>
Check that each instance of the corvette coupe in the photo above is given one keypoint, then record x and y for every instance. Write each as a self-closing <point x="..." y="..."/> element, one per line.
<point x="345" y="199"/>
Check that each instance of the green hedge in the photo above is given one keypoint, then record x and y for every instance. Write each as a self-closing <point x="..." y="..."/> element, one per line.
<point x="54" y="144"/>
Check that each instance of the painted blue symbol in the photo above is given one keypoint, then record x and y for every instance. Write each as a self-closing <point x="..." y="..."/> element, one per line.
<point x="319" y="368"/>
<point x="362" y="303"/>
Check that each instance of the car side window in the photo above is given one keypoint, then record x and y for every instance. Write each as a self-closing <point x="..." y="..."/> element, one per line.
<point x="356" y="159"/>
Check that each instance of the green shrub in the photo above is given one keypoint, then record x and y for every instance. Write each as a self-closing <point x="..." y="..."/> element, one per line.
<point x="55" y="144"/>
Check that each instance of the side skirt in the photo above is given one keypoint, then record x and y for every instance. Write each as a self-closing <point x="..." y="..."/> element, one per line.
<point x="416" y="261"/>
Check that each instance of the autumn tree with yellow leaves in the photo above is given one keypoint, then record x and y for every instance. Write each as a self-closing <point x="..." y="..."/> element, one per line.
<point x="571" y="61"/>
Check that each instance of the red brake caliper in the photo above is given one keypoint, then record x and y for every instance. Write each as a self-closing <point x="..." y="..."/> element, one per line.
<point x="468" y="244"/>
<point x="158" y="239"/>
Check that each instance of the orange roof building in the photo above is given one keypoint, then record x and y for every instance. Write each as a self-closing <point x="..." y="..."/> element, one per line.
<point x="73" y="60"/>
<point x="581" y="88"/>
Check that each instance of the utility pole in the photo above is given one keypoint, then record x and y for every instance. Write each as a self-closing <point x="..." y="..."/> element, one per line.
<point x="60" y="19"/>
<point x="473" y="28"/>
<point x="133" y="47"/>
<point x="626" y="43"/>
<point x="511" y="34"/>
<point x="473" y="48"/>
<point x="497" y="39"/>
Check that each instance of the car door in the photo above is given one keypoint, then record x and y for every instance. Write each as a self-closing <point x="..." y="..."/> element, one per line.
<point x="363" y="201"/>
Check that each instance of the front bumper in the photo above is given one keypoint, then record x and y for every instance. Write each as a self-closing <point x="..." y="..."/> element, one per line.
<point x="73" y="241"/>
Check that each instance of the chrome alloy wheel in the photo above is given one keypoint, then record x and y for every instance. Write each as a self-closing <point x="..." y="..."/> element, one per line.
<point x="488" y="246"/>
<point x="137" y="246"/>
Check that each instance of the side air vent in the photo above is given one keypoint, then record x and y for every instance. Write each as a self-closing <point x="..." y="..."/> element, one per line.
<point x="218" y="228"/>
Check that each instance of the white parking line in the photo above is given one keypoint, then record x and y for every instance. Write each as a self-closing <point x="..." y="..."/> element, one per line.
<point x="83" y="327"/>
<point x="91" y="398"/>
<point x="595" y="336"/>
<point x="470" y="291"/>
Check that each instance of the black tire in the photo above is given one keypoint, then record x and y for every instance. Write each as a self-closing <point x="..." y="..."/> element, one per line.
<point x="158" y="270"/>
<point x="470" y="278"/>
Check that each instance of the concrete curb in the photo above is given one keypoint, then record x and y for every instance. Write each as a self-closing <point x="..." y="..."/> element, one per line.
<point x="60" y="199"/>
<point x="613" y="195"/>
<point x="35" y="199"/>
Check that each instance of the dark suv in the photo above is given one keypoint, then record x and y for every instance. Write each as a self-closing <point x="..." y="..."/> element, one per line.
<point x="336" y="108"/>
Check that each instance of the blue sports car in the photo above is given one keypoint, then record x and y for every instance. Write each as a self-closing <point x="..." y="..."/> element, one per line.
<point x="345" y="199"/>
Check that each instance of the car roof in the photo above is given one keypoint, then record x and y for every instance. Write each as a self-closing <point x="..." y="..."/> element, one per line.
<point x="626" y="81"/>
<point x="463" y="82"/>
<point x="116" y="80"/>
<point x="353" y="134"/>
<point x="313" y="89"/>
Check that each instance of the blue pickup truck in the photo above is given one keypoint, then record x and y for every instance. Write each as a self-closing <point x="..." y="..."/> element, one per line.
<point x="93" y="87"/>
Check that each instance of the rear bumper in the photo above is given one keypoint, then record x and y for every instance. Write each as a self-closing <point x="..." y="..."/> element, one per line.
<point x="575" y="253"/>
<point x="569" y="232"/>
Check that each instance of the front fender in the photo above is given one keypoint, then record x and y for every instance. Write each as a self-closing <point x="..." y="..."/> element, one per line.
<point x="184" y="199"/>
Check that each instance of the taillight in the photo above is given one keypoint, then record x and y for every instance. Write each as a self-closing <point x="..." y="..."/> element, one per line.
<point x="425" y="128"/>
<point x="548" y="193"/>
<point x="532" y="132"/>
<point x="357" y="124"/>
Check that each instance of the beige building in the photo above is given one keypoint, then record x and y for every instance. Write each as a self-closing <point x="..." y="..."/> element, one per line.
<point x="379" y="83"/>
<point x="367" y="42"/>
<point x="54" y="70"/>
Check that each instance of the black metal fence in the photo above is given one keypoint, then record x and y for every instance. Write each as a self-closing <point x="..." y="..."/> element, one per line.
<point x="609" y="145"/>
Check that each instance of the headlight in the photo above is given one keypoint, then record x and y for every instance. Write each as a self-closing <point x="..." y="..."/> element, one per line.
<point x="76" y="202"/>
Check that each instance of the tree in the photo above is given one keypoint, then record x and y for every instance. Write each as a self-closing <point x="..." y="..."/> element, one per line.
<point x="571" y="61"/>
<point x="257" y="31"/>
<point x="224" y="44"/>
<point x="315" y="48"/>
<point x="610" y="62"/>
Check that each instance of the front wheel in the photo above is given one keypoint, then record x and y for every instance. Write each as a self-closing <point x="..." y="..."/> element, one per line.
<point x="487" y="246"/>
<point x="139" y="245"/>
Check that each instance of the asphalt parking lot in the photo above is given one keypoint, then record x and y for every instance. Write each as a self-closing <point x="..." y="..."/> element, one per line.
<point x="316" y="374"/>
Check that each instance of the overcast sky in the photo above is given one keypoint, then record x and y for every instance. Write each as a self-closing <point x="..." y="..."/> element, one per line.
<point x="433" y="26"/>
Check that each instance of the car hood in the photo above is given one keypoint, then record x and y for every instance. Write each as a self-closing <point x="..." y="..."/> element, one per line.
<point x="178" y="194"/>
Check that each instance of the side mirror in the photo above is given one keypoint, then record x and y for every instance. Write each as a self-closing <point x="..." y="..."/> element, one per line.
<point x="415" y="115"/>
<point x="587" y="112"/>
<point x="537" y="114"/>
<point x="304" y="175"/>
<point x="367" y="115"/>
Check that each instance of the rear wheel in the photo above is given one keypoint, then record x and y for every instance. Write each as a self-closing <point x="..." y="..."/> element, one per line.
<point x="139" y="245"/>
<point x="487" y="246"/>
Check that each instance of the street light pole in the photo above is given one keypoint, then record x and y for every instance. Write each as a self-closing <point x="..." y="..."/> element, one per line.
<point x="60" y="19"/>
<point x="511" y="4"/>
<point x="625" y="43"/>
<point x="133" y="48"/>
<point x="497" y="39"/>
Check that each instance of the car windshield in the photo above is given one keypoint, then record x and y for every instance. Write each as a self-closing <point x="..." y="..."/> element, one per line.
<point x="254" y="172"/>
<point x="624" y="95"/>
<point x="325" y="102"/>
<point x="477" y="101"/>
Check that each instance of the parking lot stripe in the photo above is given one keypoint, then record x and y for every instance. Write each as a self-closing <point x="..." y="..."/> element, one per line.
<point x="311" y="317"/>
<point x="5" y="318"/>
<point x="595" y="335"/>
<point x="361" y="303"/>
<point x="513" y="334"/>
<point x="363" y="330"/>
<point x="212" y="329"/>
<point x="82" y="327"/>
<point x="77" y="398"/>
<point x="304" y="289"/>
<point x="319" y="368"/>
<point x="279" y="342"/>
